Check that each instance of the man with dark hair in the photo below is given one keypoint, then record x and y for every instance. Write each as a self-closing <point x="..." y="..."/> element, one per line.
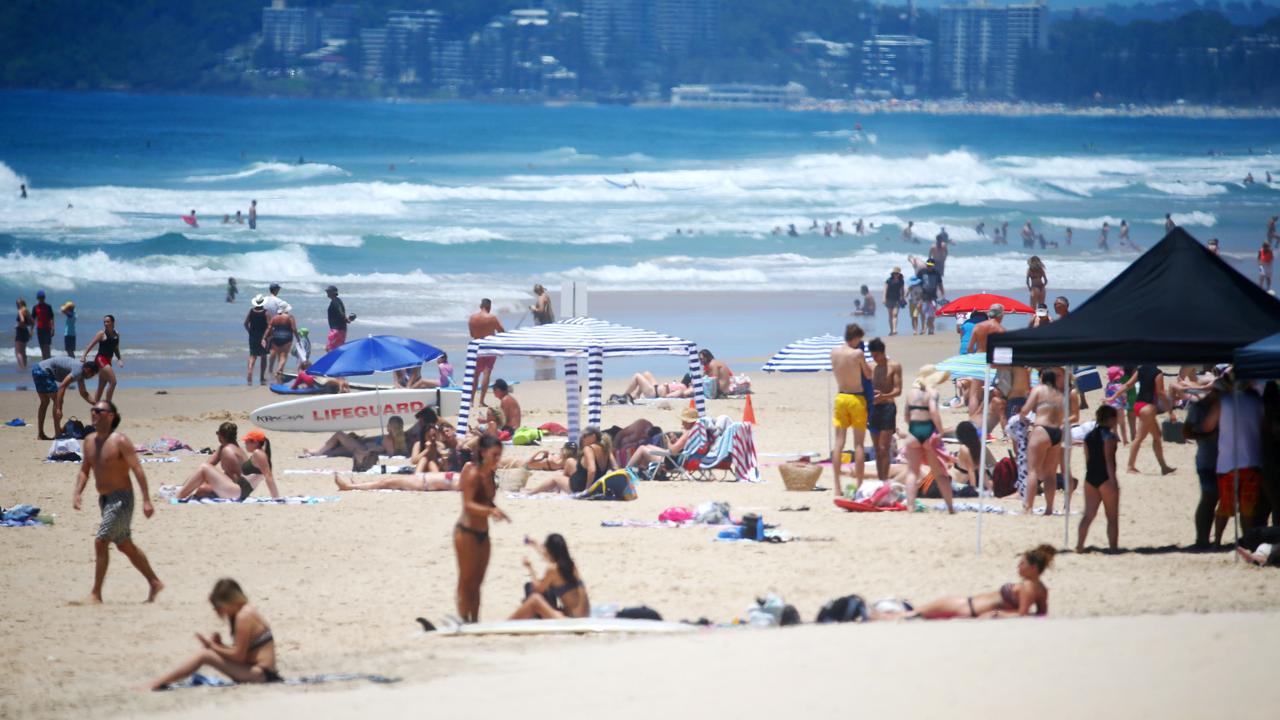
<point x="338" y="320"/>
<point x="511" y="415"/>
<point x="887" y="382"/>
<point x="43" y="315"/>
<point x="716" y="372"/>
<point x="1061" y="306"/>
<point x="849" y="365"/>
<point x="482" y="324"/>
<point x="52" y="377"/>
<point x="930" y="290"/>
<point x="111" y="457"/>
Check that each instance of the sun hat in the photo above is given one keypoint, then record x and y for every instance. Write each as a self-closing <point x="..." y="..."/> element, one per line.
<point x="689" y="415"/>
<point x="284" y="309"/>
<point x="259" y="301"/>
<point x="1114" y="373"/>
<point x="897" y="269"/>
<point x="1042" y="310"/>
<point x="255" y="435"/>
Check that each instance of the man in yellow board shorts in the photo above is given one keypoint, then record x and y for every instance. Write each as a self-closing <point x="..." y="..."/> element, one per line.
<point x="849" y="365"/>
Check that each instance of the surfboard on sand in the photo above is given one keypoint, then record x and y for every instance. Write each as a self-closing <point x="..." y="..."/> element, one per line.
<point x="567" y="626"/>
<point x="353" y="411"/>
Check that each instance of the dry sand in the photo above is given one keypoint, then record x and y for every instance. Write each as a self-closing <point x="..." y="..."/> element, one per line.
<point x="341" y="583"/>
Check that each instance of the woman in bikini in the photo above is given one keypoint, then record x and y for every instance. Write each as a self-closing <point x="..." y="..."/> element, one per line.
<point x="645" y="385"/>
<point x="559" y="593"/>
<point x="107" y="342"/>
<point x="22" y="334"/>
<point x="564" y="466"/>
<point x="1037" y="281"/>
<point x="471" y="533"/>
<point x="1044" y="442"/>
<point x="923" y="422"/>
<point x="281" y="330"/>
<point x="1015" y="598"/>
<point x="1148" y="401"/>
<point x="230" y="472"/>
<point x="251" y="656"/>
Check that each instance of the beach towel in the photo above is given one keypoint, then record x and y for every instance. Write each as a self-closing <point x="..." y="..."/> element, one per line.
<point x="22" y="516"/>
<point x="974" y="507"/>
<point x="861" y="506"/>
<point x="171" y="491"/>
<point x="160" y="460"/>
<point x="722" y="440"/>
<point x="201" y="680"/>
<point x="65" y="450"/>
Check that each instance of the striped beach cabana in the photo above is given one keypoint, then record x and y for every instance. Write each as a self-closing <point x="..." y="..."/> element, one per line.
<point x="572" y="340"/>
<point x="808" y="355"/>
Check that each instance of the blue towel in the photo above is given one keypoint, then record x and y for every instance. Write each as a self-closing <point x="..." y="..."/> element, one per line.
<point x="20" y="514"/>
<point x="201" y="680"/>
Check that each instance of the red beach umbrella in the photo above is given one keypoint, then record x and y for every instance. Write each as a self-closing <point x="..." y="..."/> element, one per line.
<point x="982" y="301"/>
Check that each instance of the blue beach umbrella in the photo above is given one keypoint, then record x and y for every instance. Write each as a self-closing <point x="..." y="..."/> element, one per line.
<point x="376" y="353"/>
<point x="969" y="365"/>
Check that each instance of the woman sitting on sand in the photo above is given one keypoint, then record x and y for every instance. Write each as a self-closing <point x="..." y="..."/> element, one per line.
<point x="645" y="385"/>
<point x="232" y="473"/>
<point x="345" y="444"/>
<point x="564" y="466"/>
<point x="251" y="656"/>
<point x="471" y="533"/>
<point x="1015" y="598"/>
<point x="559" y="593"/>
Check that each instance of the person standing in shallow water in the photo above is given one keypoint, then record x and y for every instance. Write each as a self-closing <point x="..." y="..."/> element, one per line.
<point x="253" y="215"/>
<point x="894" y="291"/>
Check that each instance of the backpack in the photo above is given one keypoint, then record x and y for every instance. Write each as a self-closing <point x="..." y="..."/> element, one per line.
<point x="1004" y="477"/>
<point x="929" y="281"/>
<point x="850" y="608"/>
<point x="72" y="428"/>
<point x="616" y="485"/>
<point x="525" y="435"/>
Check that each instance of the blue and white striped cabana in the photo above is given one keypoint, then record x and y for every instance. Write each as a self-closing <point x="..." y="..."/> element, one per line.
<point x="808" y="355"/>
<point x="572" y="340"/>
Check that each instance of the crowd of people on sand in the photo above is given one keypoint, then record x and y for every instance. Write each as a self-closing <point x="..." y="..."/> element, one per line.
<point x="1235" y="425"/>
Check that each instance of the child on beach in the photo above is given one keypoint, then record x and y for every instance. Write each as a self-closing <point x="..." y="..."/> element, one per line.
<point x="1117" y="399"/>
<point x="251" y="656"/>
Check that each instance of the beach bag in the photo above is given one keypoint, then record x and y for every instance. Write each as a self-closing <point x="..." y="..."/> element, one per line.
<point x="1171" y="432"/>
<point x="850" y="608"/>
<point x="525" y="435"/>
<point x="617" y="485"/>
<point x="1004" y="477"/>
<point x="929" y="282"/>
<point x="73" y="428"/>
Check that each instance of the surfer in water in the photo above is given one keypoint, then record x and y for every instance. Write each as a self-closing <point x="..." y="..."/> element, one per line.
<point x="191" y="219"/>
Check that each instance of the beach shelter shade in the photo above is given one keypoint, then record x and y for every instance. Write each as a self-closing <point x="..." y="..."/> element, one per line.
<point x="1261" y="360"/>
<point x="573" y="340"/>
<point x="1178" y="303"/>
<point x="969" y="365"/>
<point x="808" y="355"/>
<point x="983" y="302"/>
<point x="376" y="353"/>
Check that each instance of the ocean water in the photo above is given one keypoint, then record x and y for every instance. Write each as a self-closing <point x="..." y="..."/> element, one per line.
<point x="417" y="210"/>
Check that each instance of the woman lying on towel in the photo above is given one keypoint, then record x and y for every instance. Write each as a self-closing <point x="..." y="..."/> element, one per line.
<point x="345" y="444"/>
<point x="559" y="593"/>
<point x="1016" y="598"/>
<point x="645" y="385"/>
<point x="251" y="656"/>
<point x="230" y="472"/>
<point x="409" y="482"/>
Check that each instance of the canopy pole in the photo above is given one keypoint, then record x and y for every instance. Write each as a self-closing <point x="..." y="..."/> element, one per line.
<point x="982" y="451"/>
<point x="573" y="398"/>
<point x="1068" y="373"/>
<point x="1235" y="459"/>
<point x="831" y="430"/>
<point x="468" y="387"/>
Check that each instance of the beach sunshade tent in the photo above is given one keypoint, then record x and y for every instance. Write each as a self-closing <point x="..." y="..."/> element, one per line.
<point x="1260" y="360"/>
<point x="573" y="340"/>
<point x="810" y="355"/>
<point x="1177" y="304"/>
<point x="970" y="365"/>
<point x="983" y="302"/>
<point x="376" y="353"/>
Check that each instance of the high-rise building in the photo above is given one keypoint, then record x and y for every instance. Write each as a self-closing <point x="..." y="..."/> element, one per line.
<point x="290" y="31"/>
<point x="410" y="35"/>
<point x="373" y="41"/>
<point x="615" y="30"/>
<point x="980" y="46"/>
<point x="685" y="27"/>
<point x="338" y="22"/>
<point x="896" y="65"/>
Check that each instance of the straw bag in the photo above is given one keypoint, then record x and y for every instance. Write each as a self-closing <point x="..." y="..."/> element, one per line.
<point x="800" y="477"/>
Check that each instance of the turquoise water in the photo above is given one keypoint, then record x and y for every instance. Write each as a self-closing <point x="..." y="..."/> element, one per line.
<point x="417" y="210"/>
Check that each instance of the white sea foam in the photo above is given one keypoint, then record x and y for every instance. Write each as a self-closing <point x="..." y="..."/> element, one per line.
<point x="274" y="170"/>
<point x="1194" y="188"/>
<point x="452" y="235"/>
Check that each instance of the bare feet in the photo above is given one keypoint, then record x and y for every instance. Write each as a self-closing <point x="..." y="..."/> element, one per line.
<point x="93" y="599"/>
<point x="1131" y="470"/>
<point x="1166" y="470"/>
<point x="156" y="587"/>
<point x="45" y="437"/>
<point x="342" y="484"/>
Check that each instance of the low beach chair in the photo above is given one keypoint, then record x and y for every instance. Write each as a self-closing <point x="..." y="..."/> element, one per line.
<point x="727" y="451"/>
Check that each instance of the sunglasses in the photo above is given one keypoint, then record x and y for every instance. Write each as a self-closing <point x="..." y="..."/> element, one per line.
<point x="98" y="410"/>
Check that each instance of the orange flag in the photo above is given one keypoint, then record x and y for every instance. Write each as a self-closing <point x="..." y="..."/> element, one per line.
<point x="749" y="412"/>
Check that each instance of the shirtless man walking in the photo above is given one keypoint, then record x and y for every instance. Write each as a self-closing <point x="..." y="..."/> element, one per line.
<point x="849" y="365"/>
<point x="978" y="343"/>
<point x="886" y="378"/>
<point x="482" y="324"/>
<point x="111" y="457"/>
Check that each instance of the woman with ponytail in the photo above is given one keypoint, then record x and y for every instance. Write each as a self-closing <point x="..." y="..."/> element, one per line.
<point x="560" y="592"/>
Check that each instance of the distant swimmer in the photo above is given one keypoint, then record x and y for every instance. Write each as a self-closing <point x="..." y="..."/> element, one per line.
<point x="981" y="229"/>
<point x="231" y="289"/>
<point x="226" y="219"/>
<point x="1102" y="236"/>
<point x="791" y="230"/>
<point x="253" y="215"/>
<point x="191" y="219"/>
<point x="1248" y="179"/>
<point x="839" y="228"/>
<point x="859" y="228"/>
<point x="908" y="233"/>
<point x="1268" y="177"/>
<point x="239" y="218"/>
<point x="1068" y="234"/>
<point x="1271" y="229"/>
<point x="1169" y="225"/>
<point x="1028" y="235"/>
<point x="301" y="161"/>
<point x="1124" y="234"/>
<point x="23" y="187"/>
<point x="777" y="230"/>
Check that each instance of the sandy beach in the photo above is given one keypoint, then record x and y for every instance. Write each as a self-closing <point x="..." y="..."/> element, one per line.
<point x="1155" y="630"/>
